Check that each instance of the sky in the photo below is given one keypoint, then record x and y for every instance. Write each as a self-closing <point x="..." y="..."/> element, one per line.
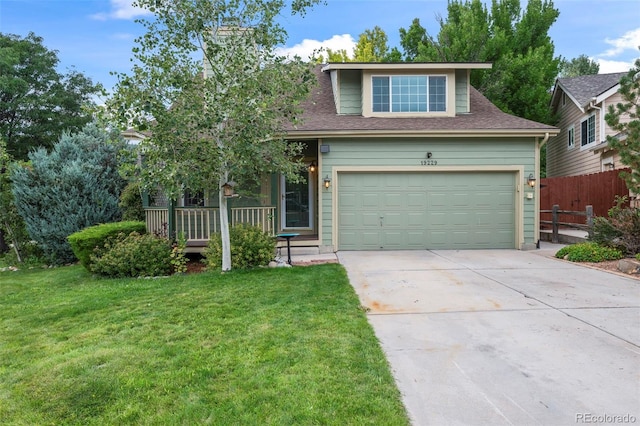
<point x="95" y="37"/>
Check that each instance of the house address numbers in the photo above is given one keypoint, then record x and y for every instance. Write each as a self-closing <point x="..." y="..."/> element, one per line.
<point x="428" y="162"/>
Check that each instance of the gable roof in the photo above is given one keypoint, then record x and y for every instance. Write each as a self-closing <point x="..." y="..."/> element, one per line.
<point x="581" y="90"/>
<point x="320" y="119"/>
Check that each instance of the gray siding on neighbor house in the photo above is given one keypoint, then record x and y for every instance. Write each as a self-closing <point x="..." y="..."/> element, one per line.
<point x="402" y="152"/>
<point x="563" y="160"/>
<point x="462" y="92"/>
<point x="350" y="92"/>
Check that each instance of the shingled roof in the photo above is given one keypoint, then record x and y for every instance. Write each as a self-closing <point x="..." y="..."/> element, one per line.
<point x="320" y="118"/>
<point x="584" y="88"/>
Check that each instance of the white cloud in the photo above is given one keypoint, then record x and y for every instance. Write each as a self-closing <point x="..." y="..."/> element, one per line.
<point x="307" y="47"/>
<point x="121" y="9"/>
<point x="607" y="67"/>
<point x="629" y="40"/>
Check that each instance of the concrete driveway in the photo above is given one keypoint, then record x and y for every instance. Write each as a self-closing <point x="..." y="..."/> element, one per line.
<point x="503" y="336"/>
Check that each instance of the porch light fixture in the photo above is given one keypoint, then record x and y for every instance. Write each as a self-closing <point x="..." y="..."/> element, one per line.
<point x="531" y="181"/>
<point x="327" y="182"/>
<point x="312" y="167"/>
<point x="228" y="189"/>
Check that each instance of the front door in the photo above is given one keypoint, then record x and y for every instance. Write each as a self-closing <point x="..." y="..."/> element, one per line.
<point x="297" y="204"/>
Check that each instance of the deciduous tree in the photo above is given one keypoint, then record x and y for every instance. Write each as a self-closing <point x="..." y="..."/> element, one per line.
<point x="581" y="65"/>
<point x="216" y="96"/>
<point x="516" y="41"/>
<point x="37" y="103"/>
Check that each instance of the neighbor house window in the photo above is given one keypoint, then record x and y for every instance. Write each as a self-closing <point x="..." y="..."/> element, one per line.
<point x="193" y="198"/>
<point x="571" y="137"/>
<point x="588" y="131"/>
<point x="409" y="93"/>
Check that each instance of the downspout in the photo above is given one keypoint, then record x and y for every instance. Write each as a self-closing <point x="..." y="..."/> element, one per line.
<point x="536" y="224"/>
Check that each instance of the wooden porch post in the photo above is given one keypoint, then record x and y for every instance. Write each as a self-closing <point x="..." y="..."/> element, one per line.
<point x="171" y="220"/>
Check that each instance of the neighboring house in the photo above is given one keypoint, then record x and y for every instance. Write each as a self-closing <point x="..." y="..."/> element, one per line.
<point x="581" y="104"/>
<point x="401" y="156"/>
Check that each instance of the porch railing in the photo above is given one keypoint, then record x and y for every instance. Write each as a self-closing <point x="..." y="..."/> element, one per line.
<point x="198" y="223"/>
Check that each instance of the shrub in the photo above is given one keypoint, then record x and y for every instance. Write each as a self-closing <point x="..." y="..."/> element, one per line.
<point x="250" y="247"/>
<point x="589" y="252"/>
<point x="136" y="255"/>
<point x="621" y="229"/>
<point x="131" y="202"/>
<point x="74" y="186"/>
<point x="84" y="242"/>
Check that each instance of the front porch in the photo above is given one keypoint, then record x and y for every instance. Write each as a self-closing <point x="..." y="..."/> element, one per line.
<point x="197" y="224"/>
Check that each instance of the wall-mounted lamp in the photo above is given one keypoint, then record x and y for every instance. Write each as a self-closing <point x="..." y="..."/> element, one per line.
<point x="531" y="181"/>
<point x="312" y="167"/>
<point x="327" y="182"/>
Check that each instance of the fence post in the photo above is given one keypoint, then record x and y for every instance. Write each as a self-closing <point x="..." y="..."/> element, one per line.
<point x="590" y="221"/>
<point x="554" y="223"/>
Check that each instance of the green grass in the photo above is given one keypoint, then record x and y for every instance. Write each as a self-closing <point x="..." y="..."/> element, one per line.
<point x="270" y="346"/>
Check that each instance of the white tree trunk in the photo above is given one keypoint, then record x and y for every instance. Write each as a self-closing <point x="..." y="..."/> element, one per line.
<point x="224" y="226"/>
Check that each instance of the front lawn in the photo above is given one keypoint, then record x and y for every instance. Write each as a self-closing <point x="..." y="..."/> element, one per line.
<point x="270" y="346"/>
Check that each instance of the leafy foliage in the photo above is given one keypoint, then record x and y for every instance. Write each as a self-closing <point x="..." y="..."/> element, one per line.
<point x="576" y="67"/>
<point x="131" y="202"/>
<point x="588" y="252"/>
<point x="621" y="229"/>
<point x="217" y="96"/>
<point x="84" y="242"/>
<point x="36" y="102"/>
<point x="624" y="117"/>
<point x="75" y="186"/>
<point x="134" y="255"/>
<point x="250" y="247"/>
<point x="516" y="41"/>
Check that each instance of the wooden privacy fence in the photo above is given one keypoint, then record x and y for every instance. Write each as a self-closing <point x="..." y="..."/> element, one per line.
<point x="555" y="223"/>
<point x="576" y="192"/>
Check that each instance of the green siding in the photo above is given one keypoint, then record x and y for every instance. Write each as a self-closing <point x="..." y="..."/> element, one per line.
<point x="402" y="152"/>
<point x="350" y="92"/>
<point x="462" y="92"/>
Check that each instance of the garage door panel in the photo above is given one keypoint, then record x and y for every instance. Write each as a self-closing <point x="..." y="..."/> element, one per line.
<point x="370" y="219"/>
<point x="426" y="210"/>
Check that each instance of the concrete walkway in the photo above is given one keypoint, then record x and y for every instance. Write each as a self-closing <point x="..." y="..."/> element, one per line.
<point x="503" y="336"/>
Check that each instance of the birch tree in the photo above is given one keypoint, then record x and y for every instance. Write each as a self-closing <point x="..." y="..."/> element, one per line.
<point x="207" y="83"/>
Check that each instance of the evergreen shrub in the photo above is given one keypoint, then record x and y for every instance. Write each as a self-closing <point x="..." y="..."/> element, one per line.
<point x="84" y="242"/>
<point x="250" y="247"/>
<point x="75" y="186"/>
<point x="131" y="202"/>
<point x="134" y="255"/>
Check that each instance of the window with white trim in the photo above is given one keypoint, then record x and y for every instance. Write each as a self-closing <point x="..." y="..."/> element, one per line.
<point x="588" y="131"/>
<point x="409" y="93"/>
<point x="571" y="140"/>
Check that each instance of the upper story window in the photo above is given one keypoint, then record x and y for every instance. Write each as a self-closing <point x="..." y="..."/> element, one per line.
<point x="409" y="93"/>
<point x="571" y="137"/>
<point x="588" y="131"/>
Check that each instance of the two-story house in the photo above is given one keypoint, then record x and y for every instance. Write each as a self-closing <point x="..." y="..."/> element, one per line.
<point x="581" y="104"/>
<point x="400" y="156"/>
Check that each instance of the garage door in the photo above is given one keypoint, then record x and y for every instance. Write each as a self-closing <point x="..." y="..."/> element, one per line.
<point x="393" y="211"/>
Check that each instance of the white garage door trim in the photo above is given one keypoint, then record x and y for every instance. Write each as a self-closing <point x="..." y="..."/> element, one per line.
<point x="517" y="170"/>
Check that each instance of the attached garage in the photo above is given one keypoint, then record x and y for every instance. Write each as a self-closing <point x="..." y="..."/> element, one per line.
<point x="426" y="210"/>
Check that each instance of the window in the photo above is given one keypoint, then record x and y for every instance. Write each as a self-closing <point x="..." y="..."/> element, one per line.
<point x="564" y="99"/>
<point x="409" y="93"/>
<point x="571" y="138"/>
<point x="588" y="131"/>
<point x="193" y="199"/>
